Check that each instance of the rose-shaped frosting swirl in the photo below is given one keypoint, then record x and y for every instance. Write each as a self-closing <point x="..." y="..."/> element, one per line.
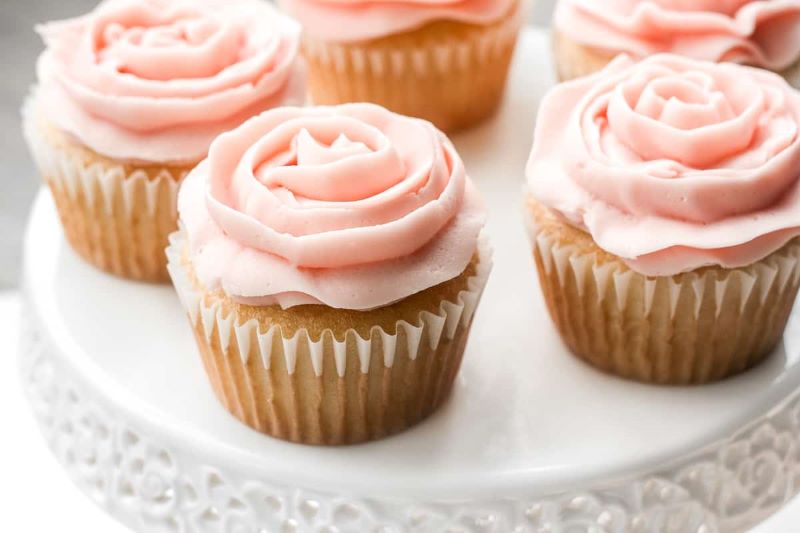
<point x="672" y="163"/>
<point x="158" y="80"/>
<point x="358" y="20"/>
<point x="764" y="33"/>
<point x="353" y="206"/>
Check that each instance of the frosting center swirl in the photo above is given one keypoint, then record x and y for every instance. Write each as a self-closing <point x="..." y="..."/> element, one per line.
<point x="689" y="117"/>
<point x="398" y="176"/>
<point x="328" y="166"/>
<point x="162" y="46"/>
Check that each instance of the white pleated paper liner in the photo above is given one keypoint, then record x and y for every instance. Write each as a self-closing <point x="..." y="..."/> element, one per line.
<point x="116" y="216"/>
<point x="335" y="388"/>
<point x="421" y="61"/>
<point x="452" y="80"/>
<point x="429" y="327"/>
<point x="694" y="327"/>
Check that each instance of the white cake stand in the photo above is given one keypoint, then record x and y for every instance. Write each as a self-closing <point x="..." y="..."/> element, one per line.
<point x="532" y="439"/>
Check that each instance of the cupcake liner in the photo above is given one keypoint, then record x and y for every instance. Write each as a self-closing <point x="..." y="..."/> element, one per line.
<point x="116" y="218"/>
<point x="691" y="328"/>
<point x="338" y="388"/>
<point x="451" y="80"/>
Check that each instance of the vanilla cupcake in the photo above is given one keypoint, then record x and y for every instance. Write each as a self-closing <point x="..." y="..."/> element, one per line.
<point x="330" y="263"/>
<point x="588" y="34"/>
<point x="442" y="60"/>
<point x="129" y="99"/>
<point x="664" y="212"/>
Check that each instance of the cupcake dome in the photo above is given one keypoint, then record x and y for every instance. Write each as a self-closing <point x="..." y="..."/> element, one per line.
<point x="329" y="258"/>
<point x="680" y="176"/>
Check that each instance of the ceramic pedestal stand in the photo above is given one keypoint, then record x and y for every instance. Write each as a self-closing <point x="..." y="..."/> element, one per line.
<point x="531" y="441"/>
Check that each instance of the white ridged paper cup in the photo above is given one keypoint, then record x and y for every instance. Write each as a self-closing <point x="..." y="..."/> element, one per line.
<point x="691" y="328"/>
<point x="288" y="374"/>
<point x="116" y="216"/>
<point x="451" y="76"/>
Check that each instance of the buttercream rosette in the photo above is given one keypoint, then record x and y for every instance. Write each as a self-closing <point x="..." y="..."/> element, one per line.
<point x="673" y="185"/>
<point x="349" y="236"/>
<point x="442" y="60"/>
<point x="130" y="97"/>
<point x="762" y="33"/>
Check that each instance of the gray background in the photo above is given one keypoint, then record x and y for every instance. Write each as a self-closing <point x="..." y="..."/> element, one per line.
<point x="19" y="46"/>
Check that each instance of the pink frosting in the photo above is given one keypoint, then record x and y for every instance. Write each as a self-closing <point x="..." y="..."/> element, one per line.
<point x="353" y="207"/>
<point x="764" y="33"/>
<point x="672" y="163"/>
<point x="158" y="80"/>
<point x="358" y="20"/>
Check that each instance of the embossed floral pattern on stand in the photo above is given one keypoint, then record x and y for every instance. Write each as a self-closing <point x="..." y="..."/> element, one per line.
<point x="151" y="485"/>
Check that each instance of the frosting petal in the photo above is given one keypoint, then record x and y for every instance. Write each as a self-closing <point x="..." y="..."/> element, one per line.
<point x="358" y="20"/>
<point x="330" y="205"/>
<point x="157" y="80"/>
<point x="671" y="163"/>
<point x="763" y="33"/>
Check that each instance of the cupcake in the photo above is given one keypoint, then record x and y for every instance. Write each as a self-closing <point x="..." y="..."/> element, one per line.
<point x="442" y="60"/>
<point x="588" y="34"/>
<point x="664" y="213"/>
<point x="329" y="261"/>
<point x="129" y="99"/>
